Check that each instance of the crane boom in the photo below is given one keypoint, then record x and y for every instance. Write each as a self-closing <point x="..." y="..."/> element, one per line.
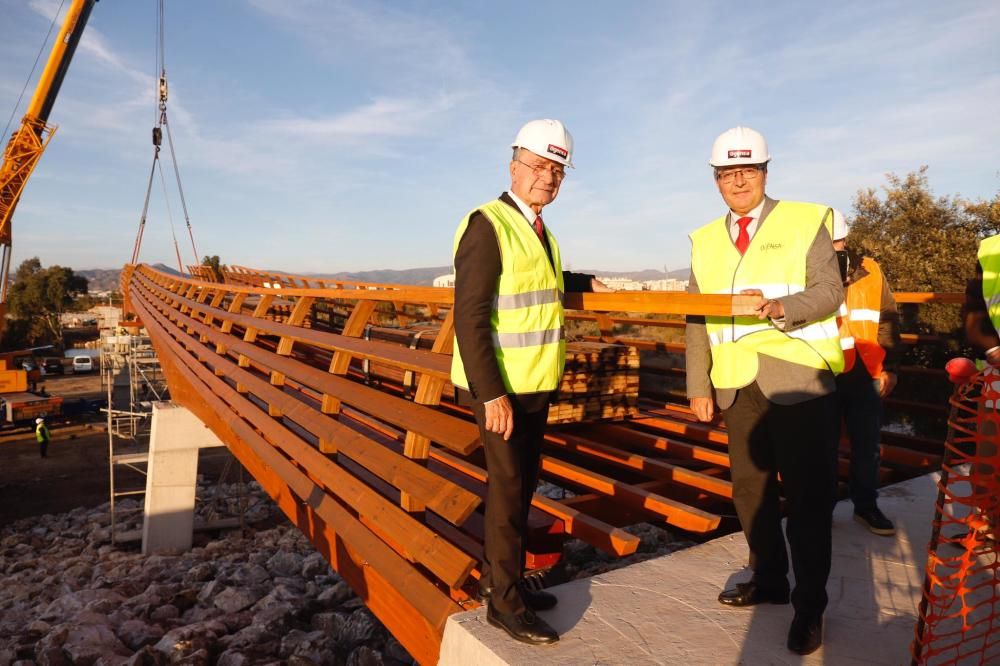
<point x="31" y="138"/>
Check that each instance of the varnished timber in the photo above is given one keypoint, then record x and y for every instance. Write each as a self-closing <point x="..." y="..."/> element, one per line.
<point x="413" y="609"/>
<point x="406" y="359"/>
<point x="451" y="502"/>
<point x="595" y="532"/>
<point x="651" y="467"/>
<point x="419" y="543"/>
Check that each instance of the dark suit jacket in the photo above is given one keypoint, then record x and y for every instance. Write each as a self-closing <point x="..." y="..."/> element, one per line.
<point x="477" y="270"/>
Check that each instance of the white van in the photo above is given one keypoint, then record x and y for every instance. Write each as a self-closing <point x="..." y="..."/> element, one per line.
<point x="82" y="364"/>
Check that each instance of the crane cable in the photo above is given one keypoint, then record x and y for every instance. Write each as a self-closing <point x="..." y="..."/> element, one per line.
<point x="161" y="123"/>
<point x="170" y="217"/>
<point x="31" y="74"/>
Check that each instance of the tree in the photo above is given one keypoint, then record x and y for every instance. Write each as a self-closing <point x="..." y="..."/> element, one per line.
<point x="923" y="242"/>
<point x="39" y="296"/>
<point x="214" y="263"/>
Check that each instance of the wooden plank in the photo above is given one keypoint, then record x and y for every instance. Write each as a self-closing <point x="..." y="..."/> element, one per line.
<point x="411" y="608"/>
<point x="453" y="503"/>
<point x="627" y="436"/>
<point x="675" y="513"/>
<point x="406" y="359"/>
<point x="651" y="467"/>
<point x="350" y="291"/>
<point x="341" y="360"/>
<point x="418" y="542"/>
<point x="599" y="534"/>
<point x="662" y="302"/>
<point x="701" y="432"/>
<point x="417" y="446"/>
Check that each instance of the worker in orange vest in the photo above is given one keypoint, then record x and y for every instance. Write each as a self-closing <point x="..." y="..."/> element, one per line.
<point x="869" y="336"/>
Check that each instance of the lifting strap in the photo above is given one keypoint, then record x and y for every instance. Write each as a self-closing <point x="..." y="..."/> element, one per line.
<point x="161" y="124"/>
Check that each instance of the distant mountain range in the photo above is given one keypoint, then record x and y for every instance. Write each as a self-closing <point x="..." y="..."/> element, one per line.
<point x="108" y="279"/>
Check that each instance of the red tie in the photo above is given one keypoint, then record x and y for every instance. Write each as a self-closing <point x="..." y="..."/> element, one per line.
<point x="540" y="228"/>
<point x="743" y="239"/>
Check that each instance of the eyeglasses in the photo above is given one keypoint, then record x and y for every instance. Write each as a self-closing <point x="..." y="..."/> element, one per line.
<point x="728" y="176"/>
<point x="557" y="172"/>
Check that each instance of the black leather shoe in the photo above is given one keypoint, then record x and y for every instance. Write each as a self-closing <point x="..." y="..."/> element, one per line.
<point x="538" y="600"/>
<point x="525" y="626"/>
<point x="806" y="633"/>
<point x="751" y="594"/>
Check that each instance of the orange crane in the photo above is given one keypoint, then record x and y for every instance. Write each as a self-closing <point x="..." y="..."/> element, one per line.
<point x="30" y="140"/>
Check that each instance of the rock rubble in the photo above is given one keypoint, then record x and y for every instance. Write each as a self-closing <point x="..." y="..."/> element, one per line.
<point x="70" y="597"/>
<point x="261" y="597"/>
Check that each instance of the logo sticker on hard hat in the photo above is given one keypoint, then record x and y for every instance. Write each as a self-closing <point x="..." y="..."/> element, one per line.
<point x="735" y="154"/>
<point x="558" y="150"/>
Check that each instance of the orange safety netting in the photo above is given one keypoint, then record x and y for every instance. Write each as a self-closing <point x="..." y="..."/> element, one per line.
<point x="959" y="618"/>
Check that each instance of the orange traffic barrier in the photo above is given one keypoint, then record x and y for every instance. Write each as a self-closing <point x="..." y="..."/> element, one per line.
<point x="959" y="614"/>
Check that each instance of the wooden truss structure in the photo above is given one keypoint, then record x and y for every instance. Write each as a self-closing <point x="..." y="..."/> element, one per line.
<point x="335" y="396"/>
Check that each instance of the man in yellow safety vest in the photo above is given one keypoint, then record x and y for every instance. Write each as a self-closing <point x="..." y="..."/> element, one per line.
<point x="772" y="375"/>
<point x="509" y="353"/>
<point x="869" y="336"/>
<point x="43" y="437"/>
<point x="981" y="314"/>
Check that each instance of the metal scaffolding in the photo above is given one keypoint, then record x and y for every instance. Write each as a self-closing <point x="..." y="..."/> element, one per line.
<point x="133" y="379"/>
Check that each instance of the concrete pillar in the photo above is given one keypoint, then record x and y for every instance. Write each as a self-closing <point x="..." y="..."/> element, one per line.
<point x="172" y="475"/>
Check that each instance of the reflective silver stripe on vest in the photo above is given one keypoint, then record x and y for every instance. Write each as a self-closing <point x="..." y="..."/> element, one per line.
<point x="527" y="299"/>
<point x="993" y="300"/>
<point x="865" y="314"/>
<point x="816" y="331"/>
<point x="530" y="339"/>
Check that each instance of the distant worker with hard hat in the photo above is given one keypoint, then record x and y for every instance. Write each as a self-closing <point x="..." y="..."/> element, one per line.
<point x="509" y="354"/>
<point x="773" y="375"/>
<point x="869" y="336"/>
<point x="42" y="436"/>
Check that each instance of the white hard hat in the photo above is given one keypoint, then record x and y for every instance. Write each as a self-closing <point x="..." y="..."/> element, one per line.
<point x="39" y="420"/>
<point x="546" y="138"/>
<point x="739" y="145"/>
<point x="840" y="226"/>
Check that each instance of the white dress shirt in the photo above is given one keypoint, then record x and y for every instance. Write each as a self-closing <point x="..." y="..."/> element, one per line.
<point x="734" y="229"/>
<point x="526" y="210"/>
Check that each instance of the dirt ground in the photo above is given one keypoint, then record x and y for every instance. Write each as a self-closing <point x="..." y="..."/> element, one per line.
<point x="75" y="473"/>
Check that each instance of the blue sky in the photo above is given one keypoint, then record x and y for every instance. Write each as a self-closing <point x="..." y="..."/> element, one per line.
<point x="326" y="135"/>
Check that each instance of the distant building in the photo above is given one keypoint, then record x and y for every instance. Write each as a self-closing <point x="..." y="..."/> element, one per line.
<point x="445" y="280"/>
<point x="75" y="319"/>
<point x="621" y="283"/>
<point x="668" y="284"/>
<point x="107" y="316"/>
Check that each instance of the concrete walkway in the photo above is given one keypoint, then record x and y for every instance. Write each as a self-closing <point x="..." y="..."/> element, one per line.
<point x="664" y="611"/>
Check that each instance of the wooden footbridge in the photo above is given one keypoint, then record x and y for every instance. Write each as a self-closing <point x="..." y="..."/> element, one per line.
<point x="335" y="396"/>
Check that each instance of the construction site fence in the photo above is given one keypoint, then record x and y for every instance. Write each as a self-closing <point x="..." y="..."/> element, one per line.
<point x="959" y="614"/>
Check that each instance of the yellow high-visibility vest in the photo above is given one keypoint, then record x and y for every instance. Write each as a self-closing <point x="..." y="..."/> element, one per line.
<point x="989" y="259"/>
<point x="775" y="263"/>
<point x="529" y="337"/>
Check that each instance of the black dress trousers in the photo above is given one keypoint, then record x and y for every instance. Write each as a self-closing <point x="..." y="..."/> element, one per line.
<point x="512" y="466"/>
<point x="798" y="442"/>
